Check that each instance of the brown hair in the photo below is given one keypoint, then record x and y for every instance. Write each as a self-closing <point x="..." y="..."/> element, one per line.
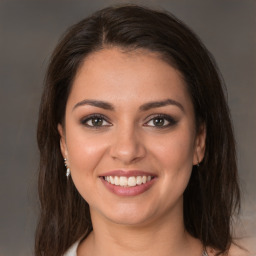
<point x="212" y="195"/>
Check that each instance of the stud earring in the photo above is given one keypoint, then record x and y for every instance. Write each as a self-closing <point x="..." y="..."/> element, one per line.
<point x="66" y="165"/>
<point x="68" y="172"/>
<point x="198" y="163"/>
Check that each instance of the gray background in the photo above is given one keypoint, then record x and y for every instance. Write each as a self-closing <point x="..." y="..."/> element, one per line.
<point x="29" y="30"/>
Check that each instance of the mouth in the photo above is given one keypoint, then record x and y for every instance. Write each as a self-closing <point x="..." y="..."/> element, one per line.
<point x="131" y="181"/>
<point x="128" y="182"/>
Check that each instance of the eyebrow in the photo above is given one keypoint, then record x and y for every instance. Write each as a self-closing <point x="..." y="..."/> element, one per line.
<point x="158" y="104"/>
<point x="95" y="103"/>
<point x="144" y="107"/>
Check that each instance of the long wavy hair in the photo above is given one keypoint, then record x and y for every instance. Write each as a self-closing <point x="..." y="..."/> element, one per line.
<point x="212" y="195"/>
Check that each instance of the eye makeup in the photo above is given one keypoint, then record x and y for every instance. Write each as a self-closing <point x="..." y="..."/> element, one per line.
<point x="161" y="121"/>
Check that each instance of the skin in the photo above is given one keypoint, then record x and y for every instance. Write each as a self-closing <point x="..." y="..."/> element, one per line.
<point x="150" y="223"/>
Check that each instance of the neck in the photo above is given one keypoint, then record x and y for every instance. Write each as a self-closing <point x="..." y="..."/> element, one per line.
<point x="161" y="237"/>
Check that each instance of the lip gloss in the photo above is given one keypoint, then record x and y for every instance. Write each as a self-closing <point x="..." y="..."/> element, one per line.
<point x="128" y="190"/>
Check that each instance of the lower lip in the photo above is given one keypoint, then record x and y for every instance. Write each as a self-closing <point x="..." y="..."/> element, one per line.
<point x="128" y="191"/>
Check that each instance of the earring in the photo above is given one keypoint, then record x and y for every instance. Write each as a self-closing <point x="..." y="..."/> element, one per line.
<point x="198" y="163"/>
<point x="68" y="170"/>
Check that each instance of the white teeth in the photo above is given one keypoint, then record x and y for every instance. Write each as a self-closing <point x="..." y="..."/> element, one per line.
<point x="139" y="180"/>
<point x="128" y="181"/>
<point x="123" y="181"/>
<point x="112" y="180"/>
<point x="131" y="181"/>
<point x="116" y="180"/>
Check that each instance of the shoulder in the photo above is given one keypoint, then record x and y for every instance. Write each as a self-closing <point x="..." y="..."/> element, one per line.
<point x="72" y="251"/>
<point x="243" y="247"/>
<point x="240" y="247"/>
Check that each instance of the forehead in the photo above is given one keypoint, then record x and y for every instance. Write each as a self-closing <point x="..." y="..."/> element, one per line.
<point x="123" y="76"/>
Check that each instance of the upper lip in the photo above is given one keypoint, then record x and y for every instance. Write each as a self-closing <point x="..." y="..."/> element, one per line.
<point x="127" y="173"/>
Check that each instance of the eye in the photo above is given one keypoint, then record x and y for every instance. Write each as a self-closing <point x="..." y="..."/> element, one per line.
<point x="95" y="121"/>
<point x="161" y="121"/>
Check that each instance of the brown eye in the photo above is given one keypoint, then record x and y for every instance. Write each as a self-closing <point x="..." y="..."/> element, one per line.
<point x="161" y="121"/>
<point x="95" y="121"/>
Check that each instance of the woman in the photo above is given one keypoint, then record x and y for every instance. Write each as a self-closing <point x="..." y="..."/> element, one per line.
<point x="134" y="105"/>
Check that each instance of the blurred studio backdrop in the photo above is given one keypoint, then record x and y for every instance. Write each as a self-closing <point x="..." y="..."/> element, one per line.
<point x="29" y="30"/>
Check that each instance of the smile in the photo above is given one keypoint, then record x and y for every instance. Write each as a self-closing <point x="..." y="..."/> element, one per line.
<point x="128" y="181"/>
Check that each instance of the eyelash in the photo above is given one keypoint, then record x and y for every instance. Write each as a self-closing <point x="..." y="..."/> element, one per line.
<point x="85" y="121"/>
<point x="171" y="121"/>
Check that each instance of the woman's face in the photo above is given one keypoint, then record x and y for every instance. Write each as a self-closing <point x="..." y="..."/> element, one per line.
<point x="130" y="121"/>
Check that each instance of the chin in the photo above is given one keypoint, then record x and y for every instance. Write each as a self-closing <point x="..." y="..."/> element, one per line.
<point x="130" y="220"/>
<point x="130" y="215"/>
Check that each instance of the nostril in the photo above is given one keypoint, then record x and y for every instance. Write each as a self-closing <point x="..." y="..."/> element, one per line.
<point x="127" y="150"/>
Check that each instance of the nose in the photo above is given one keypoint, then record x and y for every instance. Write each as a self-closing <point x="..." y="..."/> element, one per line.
<point x="127" y="146"/>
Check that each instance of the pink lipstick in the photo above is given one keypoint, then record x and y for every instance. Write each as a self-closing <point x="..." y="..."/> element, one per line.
<point x="128" y="183"/>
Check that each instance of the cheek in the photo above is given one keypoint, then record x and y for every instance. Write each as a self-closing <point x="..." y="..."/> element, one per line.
<point x="174" y="155"/>
<point x="84" y="153"/>
<point x="176" y="150"/>
<point x="175" y="159"/>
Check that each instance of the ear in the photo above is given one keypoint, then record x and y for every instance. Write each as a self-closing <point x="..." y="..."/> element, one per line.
<point x="199" y="145"/>
<point x="63" y="146"/>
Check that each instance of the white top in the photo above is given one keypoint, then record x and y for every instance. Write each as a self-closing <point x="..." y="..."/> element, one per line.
<point x="72" y="251"/>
